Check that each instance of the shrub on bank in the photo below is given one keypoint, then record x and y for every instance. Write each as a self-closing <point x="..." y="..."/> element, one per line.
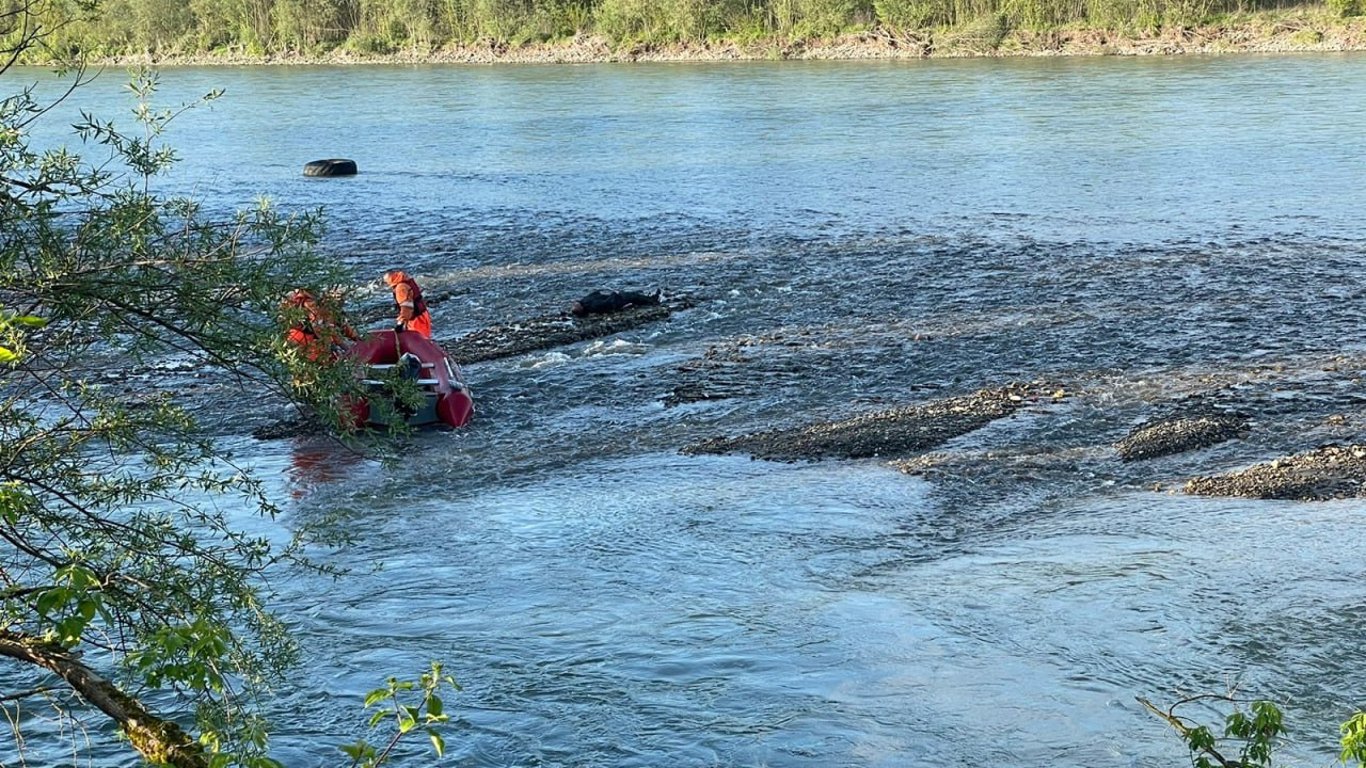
<point x="161" y="28"/>
<point x="1346" y="8"/>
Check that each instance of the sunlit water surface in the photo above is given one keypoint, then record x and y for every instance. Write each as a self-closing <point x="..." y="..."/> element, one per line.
<point x="868" y="234"/>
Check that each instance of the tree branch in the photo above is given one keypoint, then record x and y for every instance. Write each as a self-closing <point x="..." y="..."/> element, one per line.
<point x="160" y="741"/>
<point x="1184" y="730"/>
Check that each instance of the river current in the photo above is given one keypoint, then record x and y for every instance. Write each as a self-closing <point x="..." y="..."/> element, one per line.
<point x="850" y="237"/>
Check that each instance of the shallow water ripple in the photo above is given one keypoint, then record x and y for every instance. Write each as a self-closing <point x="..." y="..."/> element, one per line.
<point x="838" y="238"/>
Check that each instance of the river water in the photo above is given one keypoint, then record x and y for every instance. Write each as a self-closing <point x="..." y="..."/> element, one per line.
<point x="851" y="236"/>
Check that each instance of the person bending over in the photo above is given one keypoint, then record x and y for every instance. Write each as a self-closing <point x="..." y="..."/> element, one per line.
<point x="412" y="310"/>
<point x="316" y="326"/>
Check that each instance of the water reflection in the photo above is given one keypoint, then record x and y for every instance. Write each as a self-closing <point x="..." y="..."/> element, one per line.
<point x="319" y="461"/>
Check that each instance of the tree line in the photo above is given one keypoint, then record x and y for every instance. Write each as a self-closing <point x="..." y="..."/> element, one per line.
<point x="268" y="27"/>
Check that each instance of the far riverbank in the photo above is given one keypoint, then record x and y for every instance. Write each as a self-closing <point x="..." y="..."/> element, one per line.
<point x="1297" y="31"/>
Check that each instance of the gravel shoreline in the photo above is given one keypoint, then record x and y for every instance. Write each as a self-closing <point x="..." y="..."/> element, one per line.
<point x="1328" y="472"/>
<point x="1177" y="434"/>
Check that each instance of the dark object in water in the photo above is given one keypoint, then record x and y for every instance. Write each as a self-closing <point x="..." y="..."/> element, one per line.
<point x="334" y="167"/>
<point x="606" y="302"/>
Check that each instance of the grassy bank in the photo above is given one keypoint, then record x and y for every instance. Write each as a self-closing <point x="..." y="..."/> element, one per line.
<point x="488" y="31"/>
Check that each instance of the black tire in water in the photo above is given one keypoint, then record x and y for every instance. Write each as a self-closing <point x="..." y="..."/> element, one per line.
<point x="330" y="168"/>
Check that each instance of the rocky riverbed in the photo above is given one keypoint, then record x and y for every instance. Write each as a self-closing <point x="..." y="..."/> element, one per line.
<point x="920" y="434"/>
<point x="887" y="434"/>
<point x="913" y="436"/>
<point x="548" y="331"/>
<point x="1167" y="435"/>
<point x="1328" y="472"/>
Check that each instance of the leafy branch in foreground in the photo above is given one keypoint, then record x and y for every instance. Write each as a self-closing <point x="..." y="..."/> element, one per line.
<point x="125" y="577"/>
<point x="1253" y="733"/>
<point x="428" y="712"/>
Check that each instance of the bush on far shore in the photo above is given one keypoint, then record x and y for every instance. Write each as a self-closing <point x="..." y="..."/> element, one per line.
<point x="166" y="28"/>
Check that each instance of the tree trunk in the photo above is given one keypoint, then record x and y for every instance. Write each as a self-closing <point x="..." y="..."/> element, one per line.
<point x="159" y="741"/>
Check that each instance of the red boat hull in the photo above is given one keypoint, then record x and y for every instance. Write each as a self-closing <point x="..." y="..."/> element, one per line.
<point x="440" y="377"/>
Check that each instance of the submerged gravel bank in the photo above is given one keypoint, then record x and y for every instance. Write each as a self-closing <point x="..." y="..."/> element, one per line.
<point x="547" y="331"/>
<point x="1328" y="472"/>
<point x="886" y="434"/>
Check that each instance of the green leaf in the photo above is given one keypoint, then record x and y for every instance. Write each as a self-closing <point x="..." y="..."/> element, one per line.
<point x="69" y="630"/>
<point x="50" y="599"/>
<point x="1199" y="738"/>
<point x="434" y="705"/>
<point x="32" y="321"/>
<point x="438" y="743"/>
<point x="7" y="356"/>
<point x="375" y="696"/>
<point x="1237" y="725"/>
<point x="1354" y="740"/>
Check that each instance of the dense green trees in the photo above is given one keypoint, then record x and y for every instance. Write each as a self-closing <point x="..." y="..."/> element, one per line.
<point x="125" y="573"/>
<point x="261" y="27"/>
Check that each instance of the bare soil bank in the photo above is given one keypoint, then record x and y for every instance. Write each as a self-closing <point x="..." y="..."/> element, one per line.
<point x="1305" y="30"/>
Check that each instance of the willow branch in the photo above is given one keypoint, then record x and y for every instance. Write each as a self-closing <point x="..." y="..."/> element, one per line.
<point x="160" y="741"/>
<point x="1184" y="730"/>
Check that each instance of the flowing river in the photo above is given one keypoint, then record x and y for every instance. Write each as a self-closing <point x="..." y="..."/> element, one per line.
<point x="851" y="237"/>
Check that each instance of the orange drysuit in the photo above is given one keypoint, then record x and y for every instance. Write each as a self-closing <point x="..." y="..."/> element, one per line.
<point x="412" y="310"/>
<point x="317" y="332"/>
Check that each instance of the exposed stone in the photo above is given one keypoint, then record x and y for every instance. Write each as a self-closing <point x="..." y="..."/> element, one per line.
<point x="547" y="331"/>
<point x="1329" y="472"/>
<point x="1177" y="434"/>
<point x="887" y="434"/>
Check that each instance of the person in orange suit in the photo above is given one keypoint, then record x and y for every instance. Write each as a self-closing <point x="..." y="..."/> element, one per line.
<point x="315" y="329"/>
<point x="412" y="310"/>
